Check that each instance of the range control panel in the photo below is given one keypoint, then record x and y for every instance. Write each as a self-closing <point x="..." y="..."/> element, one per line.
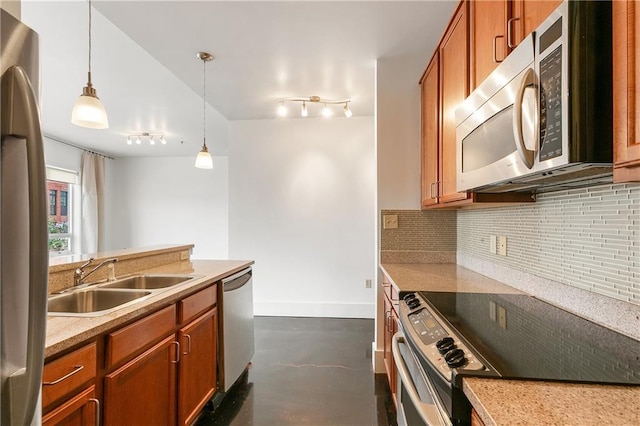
<point x="438" y="343"/>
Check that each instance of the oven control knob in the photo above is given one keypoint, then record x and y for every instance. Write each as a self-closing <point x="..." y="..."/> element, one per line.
<point x="413" y="303"/>
<point x="445" y="344"/>
<point x="409" y="297"/>
<point x="455" y="358"/>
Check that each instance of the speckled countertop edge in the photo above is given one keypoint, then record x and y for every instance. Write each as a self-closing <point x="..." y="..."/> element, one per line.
<point x="66" y="332"/>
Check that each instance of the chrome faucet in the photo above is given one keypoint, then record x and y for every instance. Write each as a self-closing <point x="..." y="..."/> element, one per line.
<point x="79" y="276"/>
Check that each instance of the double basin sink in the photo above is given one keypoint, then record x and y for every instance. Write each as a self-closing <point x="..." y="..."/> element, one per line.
<point x="101" y="299"/>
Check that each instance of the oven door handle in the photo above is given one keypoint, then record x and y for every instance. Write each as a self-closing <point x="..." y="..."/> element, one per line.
<point x="430" y="413"/>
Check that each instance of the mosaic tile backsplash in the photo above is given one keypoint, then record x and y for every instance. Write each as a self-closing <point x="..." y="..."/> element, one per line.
<point x="587" y="238"/>
<point x="433" y="230"/>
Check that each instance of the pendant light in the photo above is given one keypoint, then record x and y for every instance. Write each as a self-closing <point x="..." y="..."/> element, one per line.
<point x="88" y="111"/>
<point x="204" y="160"/>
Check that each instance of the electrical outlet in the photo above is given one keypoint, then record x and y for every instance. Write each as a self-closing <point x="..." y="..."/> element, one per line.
<point x="502" y="317"/>
<point x="493" y="244"/>
<point x="367" y="283"/>
<point x="502" y="246"/>
<point x="390" y="221"/>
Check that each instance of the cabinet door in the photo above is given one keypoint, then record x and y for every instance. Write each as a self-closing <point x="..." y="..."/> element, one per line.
<point x="81" y="410"/>
<point x="390" y="329"/>
<point x="142" y="392"/>
<point x="197" y="380"/>
<point x="430" y="92"/>
<point x="454" y="84"/>
<point x="626" y="97"/>
<point x="527" y="15"/>
<point x="488" y="37"/>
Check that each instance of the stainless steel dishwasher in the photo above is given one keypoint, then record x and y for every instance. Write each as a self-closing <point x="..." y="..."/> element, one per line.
<point x="237" y="320"/>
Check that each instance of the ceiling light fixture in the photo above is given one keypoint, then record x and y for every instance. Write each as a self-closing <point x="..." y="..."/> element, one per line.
<point x="88" y="111"/>
<point x="326" y="110"/>
<point x="151" y="137"/>
<point x="204" y="160"/>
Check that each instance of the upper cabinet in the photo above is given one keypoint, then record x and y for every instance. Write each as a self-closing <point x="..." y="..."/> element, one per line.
<point x="626" y="77"/>
<point x="497" y="26"/>
<point x="444" y="85"/>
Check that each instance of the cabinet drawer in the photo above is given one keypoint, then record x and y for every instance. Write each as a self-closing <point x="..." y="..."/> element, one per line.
<point x="67" y="374"/>
<point x="81" y="410"/>
<point x="135" y="337"/>
<point x="197" y="303"/>
<point x="389" y="289"/>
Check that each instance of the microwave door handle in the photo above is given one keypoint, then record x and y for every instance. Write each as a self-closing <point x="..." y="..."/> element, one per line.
<point x="526" y="155"/>
<point x="428" y="412"/>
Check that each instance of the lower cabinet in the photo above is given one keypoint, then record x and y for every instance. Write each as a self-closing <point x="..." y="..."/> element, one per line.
<point x="390" y="328"/>
<point x="197" y="366"/>
<point x="143" y="390"/>
<point x="81" y="410"/>
<point x="159" y="370"/>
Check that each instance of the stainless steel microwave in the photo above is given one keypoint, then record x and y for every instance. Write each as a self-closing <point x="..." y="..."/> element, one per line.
<point x="543" y="118"/>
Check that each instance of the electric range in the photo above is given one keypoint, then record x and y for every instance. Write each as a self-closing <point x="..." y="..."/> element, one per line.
<point x="508" y="336"/>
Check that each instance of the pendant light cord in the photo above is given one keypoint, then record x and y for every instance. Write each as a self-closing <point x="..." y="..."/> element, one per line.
<point x="204" y="102"/>
<point x="89" y="42"/>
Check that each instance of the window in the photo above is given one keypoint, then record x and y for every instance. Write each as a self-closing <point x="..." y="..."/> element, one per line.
<point x="52" y="202"/>
<point x="63" y="203"/>
<point x="63" y="229"/>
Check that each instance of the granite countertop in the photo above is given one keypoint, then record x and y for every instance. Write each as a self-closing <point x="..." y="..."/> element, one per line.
<point x="519" y="402"/>
<point x="65" y="332"/>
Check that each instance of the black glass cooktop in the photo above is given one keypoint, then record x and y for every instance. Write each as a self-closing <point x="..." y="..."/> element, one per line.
<point x="526" y="338"/>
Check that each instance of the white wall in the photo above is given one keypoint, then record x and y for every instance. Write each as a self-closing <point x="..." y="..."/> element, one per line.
<point x="398" y="132"/>
<point x="301" y="204"/>
<point x="166" y="200"/>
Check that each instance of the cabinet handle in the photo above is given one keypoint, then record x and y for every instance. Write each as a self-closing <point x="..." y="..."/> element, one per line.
<point x="76" y="369"/>
<point x="431" y="190"/>
<point x="95" y="401"/>
<point x="495" y="48"/>
<point x="188" y="345"/>
<point x="177" y="352"/>
<point x="510" y="33"/>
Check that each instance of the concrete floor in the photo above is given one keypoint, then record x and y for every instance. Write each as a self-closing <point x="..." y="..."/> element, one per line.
<point x="308" y="371"/>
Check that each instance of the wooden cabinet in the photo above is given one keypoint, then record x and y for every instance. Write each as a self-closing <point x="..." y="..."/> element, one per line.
<point x="626" y="97"/>
<point x="197" y="367"/>
<point x="68" y="389"/>
<point x="142" y="392"/>
<point x="527" y="15"/>
<point x="454" y="88"/>
<point x="430" y="94"/>
<point x="81" y="410"/>
<point x="390" y="300"/>
<point x="487" y="37"/>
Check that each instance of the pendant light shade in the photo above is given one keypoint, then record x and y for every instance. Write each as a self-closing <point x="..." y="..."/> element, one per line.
<point x="88" y="111"/>
<point x="204" y="160"/>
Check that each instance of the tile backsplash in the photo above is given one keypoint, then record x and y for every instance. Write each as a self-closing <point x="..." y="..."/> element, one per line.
<point x="587" y="238"/>
<point x="433" y="230"/>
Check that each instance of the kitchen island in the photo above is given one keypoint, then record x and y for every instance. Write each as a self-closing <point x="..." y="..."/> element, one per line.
<point x="156" y="359"/>
<point x="519" y="402"/>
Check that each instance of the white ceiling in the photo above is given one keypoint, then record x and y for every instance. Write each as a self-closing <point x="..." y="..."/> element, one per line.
<point x="147" y="75"/>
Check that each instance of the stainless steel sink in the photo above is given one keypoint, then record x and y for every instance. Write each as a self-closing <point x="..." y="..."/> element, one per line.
<point x="148" y="282"/>
<point x="92" y="302"/>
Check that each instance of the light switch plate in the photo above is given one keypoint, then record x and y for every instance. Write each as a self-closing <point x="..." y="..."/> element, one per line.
<point x="390" y="221"/>
<point x="493" y="244"/>
<point x="502" y="317"/>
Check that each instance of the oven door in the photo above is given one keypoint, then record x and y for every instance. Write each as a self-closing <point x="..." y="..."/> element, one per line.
<point x="418" y="402"/>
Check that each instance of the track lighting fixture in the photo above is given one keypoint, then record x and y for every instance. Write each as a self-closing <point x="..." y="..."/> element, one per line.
<point x="151" y="137"/>
<point x="326" y="110"/>
<point x="204" y="160"/>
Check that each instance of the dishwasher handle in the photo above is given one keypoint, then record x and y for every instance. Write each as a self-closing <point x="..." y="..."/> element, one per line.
<point x="236" y="281"/>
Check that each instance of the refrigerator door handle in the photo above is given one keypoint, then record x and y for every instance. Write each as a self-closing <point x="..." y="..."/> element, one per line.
<point x="21" y="120"/>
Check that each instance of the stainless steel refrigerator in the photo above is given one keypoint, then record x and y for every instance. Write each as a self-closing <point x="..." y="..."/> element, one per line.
<point x="23" y="227"/>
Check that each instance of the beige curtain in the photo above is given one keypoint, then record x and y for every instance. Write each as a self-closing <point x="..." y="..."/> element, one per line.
<point x="92" y="184"/>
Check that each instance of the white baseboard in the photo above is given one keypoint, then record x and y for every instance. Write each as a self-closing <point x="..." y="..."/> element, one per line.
<point x="322" y="310"/>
